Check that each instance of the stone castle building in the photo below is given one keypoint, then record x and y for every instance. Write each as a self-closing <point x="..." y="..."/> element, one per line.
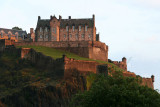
<point x="16" y="35"/>
<point x="54" y="29"/>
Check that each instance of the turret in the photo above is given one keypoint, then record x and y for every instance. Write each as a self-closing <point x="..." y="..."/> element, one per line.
<point x="124" y="60"/>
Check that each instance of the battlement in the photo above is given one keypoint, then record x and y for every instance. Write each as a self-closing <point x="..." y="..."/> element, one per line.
<point x="122" y="64"/>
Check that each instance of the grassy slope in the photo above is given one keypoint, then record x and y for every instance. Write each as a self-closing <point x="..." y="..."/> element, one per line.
<point x="54" y="53"/>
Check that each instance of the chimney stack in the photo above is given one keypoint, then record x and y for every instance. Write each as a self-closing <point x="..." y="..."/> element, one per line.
<point x="69" y="17"/>
<point x="60" y="17"/>
<point x="31" y="30"/>
<point x="51" y="17"/>
<point x="152" y="78"/>
<point x="39" y="17"/>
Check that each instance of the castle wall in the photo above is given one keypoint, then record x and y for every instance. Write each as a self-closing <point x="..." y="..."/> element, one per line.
<point x="93" y="50"/>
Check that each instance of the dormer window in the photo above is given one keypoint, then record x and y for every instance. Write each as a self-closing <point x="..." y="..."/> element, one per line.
<point x="86" y="28"/>
<point x="73" y="27"/>
<point x="79" y="28"/>
<point x="40" y="29"/>
<point x="66" y="28"/>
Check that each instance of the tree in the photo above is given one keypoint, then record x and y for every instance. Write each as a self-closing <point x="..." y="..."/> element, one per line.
<point x="16" y="28"/>
<point x="117" y="91"/>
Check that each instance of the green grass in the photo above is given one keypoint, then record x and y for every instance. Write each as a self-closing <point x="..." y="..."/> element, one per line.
<point x="55" y="53"/>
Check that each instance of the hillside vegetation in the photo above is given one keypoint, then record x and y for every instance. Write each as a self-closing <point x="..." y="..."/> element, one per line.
<point x="55" y="53"/>
<point x="22" y="84"/>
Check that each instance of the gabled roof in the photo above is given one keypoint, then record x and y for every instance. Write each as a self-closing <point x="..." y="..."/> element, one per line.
<point x="67" y="22"/>
<point x="20" y="32"/>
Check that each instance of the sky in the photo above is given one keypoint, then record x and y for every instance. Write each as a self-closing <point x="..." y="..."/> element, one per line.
<point x="131" y="28"/>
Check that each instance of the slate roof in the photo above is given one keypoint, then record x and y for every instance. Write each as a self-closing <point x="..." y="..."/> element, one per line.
<point x="67" y="22"/>
<point x="76" y="22"/>
<point x="43" y="23"/>
<point x="20" y="32"/>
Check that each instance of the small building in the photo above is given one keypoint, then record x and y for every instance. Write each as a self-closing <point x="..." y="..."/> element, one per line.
<point x="16" y="35"/>
<point x="54" y="29"/>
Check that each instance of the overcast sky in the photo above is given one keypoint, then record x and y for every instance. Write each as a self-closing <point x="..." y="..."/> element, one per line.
<point x="131" y="28"/>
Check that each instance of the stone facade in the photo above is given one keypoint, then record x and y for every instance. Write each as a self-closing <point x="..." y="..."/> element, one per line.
<point x="89" y="49"/>
<point x="65" y="66"/>
<point x="54" y="29"/>
<point x="10" y="34"/>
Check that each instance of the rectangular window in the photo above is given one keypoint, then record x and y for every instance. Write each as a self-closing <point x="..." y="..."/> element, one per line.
<point x="79" y="28"/>
<point x="86" y="28"/>
<point x="46" y="29"/>
<point x="73" y="28"/>
<point x="46" y="36"/>
<point x="83" y="36"/>
<point x="40" y="29"/>
<point x="70" y="36"/>
<point x="64" y="36"/>
<point x="89" y="36"/>
<point x="55" y="30"/>
<point x="66" y="28"/>
<point x="1" y="35"/>
<point x="76" y="36"/>
<point x="40" y="36"/>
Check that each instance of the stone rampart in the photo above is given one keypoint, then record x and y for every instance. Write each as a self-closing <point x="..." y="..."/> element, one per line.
<point x="93" y="50"/>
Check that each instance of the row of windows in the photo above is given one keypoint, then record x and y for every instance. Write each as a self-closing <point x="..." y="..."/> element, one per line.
<point x="9" y="35"/>
<point x="46" y="29"/>
<point x="46" y="36"/>
<point x="67" y="28"/>
<point x="73" y="28"/>
<point x="77" y="36"/>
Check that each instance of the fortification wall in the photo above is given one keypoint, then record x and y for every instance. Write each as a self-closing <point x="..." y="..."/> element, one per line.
<point x="45" y="63"/>
<point x="2" y="45"/>
<point x="93" y="50"/>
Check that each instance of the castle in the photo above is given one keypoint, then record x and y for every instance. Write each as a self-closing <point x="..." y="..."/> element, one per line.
<point x="74" y="35"/>
<point x="54" y="29"/>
